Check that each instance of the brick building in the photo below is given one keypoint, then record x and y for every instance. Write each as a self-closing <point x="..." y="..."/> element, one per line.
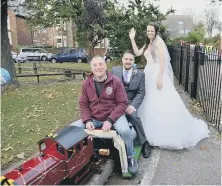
<point x="18" y="31"/>
<point x="60" y="35"/>
<point x="21" y="34"/>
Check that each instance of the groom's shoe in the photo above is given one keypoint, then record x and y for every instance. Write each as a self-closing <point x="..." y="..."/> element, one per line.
<point x="132" y="165"/>
<point x="146" y="149"/>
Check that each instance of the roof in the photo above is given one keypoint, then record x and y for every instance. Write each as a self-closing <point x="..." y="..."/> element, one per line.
<point x="17" y="8"/>
<point x="70" y="135"/>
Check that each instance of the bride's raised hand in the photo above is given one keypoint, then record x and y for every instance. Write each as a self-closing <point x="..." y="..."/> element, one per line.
<point x="132" y="33"/>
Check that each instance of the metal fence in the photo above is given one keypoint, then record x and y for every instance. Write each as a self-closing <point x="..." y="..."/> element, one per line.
<point x="199" y="70"/>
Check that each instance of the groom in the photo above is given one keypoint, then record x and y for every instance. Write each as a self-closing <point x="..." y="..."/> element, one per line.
<point x="134" y="83"/>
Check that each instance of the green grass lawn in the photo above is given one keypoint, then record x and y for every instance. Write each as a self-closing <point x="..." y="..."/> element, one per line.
<point x="74" y="66"/>
<point x="31" y="112"/>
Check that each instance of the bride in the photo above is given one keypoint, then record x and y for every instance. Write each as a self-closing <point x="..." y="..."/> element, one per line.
<point x="167" y="122"/>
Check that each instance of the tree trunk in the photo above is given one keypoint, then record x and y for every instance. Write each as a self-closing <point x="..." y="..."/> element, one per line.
<point x="93" y="52"/>
<point x="6" y="56"/>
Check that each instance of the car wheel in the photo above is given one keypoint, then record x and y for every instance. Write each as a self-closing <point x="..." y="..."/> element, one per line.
<point x="44" y="58"/>
<point x="79" y="60"/>
<point x="108" y="60"/>
<point x="53" y="60"/>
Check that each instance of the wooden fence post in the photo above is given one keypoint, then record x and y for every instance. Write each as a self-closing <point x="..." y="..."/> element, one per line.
<point x="35" y="68"/>
<point x="19" y="68"/>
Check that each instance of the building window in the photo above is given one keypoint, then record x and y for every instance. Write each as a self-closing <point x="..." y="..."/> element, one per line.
<point x="181" y="31"/>
<point x="35" y="34"/>
<point x="64" y="26"/>
<point x="58" y="27"/>
<point x="180" y="22"/>
<point x="44" y="30"/>
<point x="59" y="43"/>
<point x="64" y="42"/>
<point x="187" y="31"/>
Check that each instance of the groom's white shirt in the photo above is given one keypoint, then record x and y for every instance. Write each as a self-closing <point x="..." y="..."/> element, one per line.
<point x="129" y="73"/>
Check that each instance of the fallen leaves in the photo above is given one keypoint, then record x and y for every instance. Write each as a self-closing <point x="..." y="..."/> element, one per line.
<point x="7" y="148"/>
<point x="11" y="125"/>
<point x="21" y="155"/>
<point x="203" y="147"/>
<point x="49" y="96"/>
<point x="38" y="111"/>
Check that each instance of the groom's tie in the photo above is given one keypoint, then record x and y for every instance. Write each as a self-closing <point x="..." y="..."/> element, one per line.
<point x="125" y="76"/>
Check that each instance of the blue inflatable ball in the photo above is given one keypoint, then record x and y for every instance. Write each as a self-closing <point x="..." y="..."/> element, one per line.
<point x="5" y="76"/>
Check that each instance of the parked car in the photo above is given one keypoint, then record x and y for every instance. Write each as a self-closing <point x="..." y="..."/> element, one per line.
<point x="17" y="58"/>
<point x="35" y="54"/>
<point x="71" y="55"/>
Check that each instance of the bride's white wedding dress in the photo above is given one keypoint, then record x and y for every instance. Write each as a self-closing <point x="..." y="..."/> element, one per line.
<point x="166" y="120"/>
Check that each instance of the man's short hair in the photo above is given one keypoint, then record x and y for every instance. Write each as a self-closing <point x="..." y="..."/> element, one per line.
<point x="96" y="57"/>
<point x="128" y="52"/>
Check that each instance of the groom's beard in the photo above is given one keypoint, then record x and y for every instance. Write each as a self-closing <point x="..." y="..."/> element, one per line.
<point x="128" y="68"/>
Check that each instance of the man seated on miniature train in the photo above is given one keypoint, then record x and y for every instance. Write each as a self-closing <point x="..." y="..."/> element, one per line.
<point x="103" y="103"/>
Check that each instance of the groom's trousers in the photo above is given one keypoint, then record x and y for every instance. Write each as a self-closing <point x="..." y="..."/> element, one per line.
<point x="138" y="126"/>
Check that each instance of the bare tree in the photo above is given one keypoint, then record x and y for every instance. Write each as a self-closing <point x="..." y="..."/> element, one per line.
<point x="189" y="11"/>
<point x="210" y="20"/>
<point x="214" y="1"/>
<point x="219" y="26"/>
<point x="195" y="17"/>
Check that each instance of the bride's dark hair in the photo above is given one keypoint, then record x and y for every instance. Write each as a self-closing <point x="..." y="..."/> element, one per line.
<point x="156" y="27"/>
<point x="147" y="41"/>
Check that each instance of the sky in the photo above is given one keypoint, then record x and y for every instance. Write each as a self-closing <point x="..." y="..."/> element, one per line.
<point x="182" y="6"/>
<point x="197" y="6"/>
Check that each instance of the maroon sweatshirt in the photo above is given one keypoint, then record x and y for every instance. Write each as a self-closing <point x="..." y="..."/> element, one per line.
<point x="111" y="103"/>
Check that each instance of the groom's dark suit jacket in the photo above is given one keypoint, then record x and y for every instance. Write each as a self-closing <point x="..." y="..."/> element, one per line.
<point x="135" y="89"/>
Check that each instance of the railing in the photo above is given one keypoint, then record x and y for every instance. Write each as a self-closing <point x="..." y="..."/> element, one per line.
<point x="198" y="69"/>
